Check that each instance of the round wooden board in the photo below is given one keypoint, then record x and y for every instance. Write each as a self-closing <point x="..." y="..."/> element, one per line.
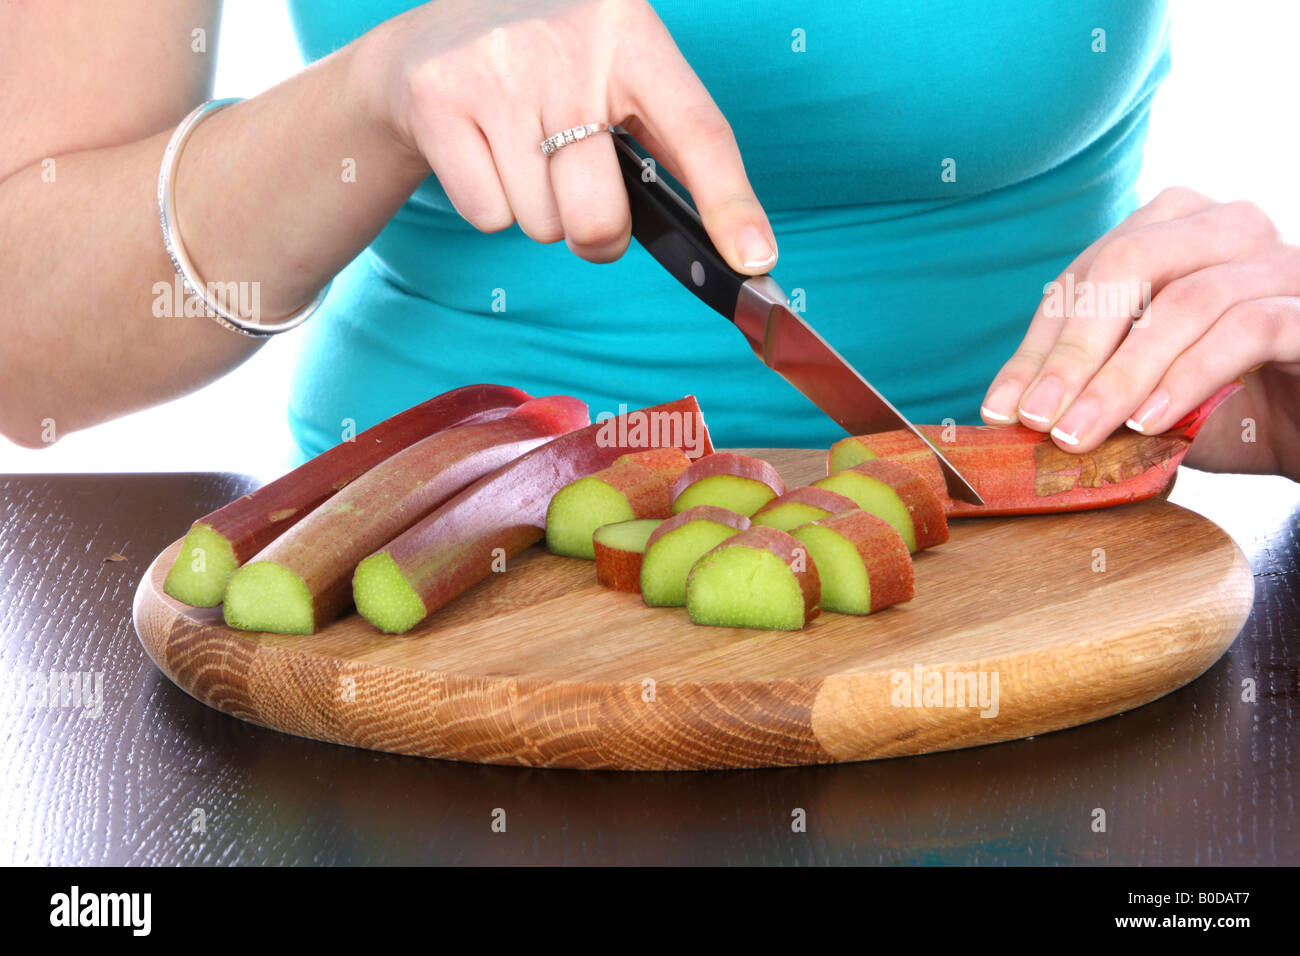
<point x="540" y="666"/>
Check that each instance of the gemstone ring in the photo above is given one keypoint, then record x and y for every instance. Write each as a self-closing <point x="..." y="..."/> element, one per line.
<point x="572" y="135"/>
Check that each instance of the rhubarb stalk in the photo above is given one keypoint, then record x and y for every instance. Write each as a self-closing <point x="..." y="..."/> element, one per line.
<point x="1018" y="471"/>
<point x="220" y="542"/>
<point x="303" y="579"/>
<point x="480" y="529"/>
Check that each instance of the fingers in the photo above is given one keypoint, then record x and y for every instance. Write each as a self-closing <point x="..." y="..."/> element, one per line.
<point x="1098" y="311"/>
<point x="576" y="64"/>
<point x="1173" y="203"/>
<point x="1187" y="309"/>
<point x="646" y="137"/>
<point x="696" y="143"/>
<point x="1248" y="334"/>
<point x="515" y="134"/>
<point x="1000" y="405"/>
<point x="576" y="194"/>
<point x="589" y="191"/>
<point x="463" y="162"/>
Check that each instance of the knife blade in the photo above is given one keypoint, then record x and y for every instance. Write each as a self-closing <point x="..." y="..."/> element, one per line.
<point x="671" y="231"/>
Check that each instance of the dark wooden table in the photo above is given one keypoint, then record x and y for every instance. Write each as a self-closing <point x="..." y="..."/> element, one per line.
<point x="1200" y="777"/>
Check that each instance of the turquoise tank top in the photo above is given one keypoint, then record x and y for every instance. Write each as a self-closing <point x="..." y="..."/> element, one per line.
<point x="927" y="168"/>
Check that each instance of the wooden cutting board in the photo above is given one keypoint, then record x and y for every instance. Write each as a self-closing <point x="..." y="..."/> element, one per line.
<point x="541" y="666"/>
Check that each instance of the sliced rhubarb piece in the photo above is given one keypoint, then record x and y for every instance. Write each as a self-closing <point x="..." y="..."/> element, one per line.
<point x="635" y="486"/>
<point x="668" y="462"/>
<point x="477" y="531"/>
<point x="891" y="490"/>
<point x="801" y="505"/>
<point x="223" y="540"/>
<point x="303" y="579"/>
<point x="761" y="578"/>
<point x="677" y="544"/>
<point x="727" y="480"/>
<point x="1019" y="471"/>
<point x="863" y="562"/>
<point x="619" y="549"/>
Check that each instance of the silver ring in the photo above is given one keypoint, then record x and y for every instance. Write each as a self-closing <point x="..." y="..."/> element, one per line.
<point x="572" y="135"/>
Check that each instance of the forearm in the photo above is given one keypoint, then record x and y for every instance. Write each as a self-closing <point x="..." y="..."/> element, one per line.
<point x="262" y="197"/>
<point x="286" y="188"/>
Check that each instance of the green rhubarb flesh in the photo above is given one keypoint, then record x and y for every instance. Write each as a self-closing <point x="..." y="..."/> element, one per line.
<point x="627" y="535"/>
<point x="577" y="510"/>
<point x="742" y="495"/>
<point x="669" y="559"/>
<point x="202" y="569"/>
<point x="846" y="587"/>
<point x="745" y="587"/>
<point x="875" y="497"/>
<point x="263" y="596"/>
<point x="847" y="453"/>
<point x="790" y="515"/>
<point x="383" y="597"/>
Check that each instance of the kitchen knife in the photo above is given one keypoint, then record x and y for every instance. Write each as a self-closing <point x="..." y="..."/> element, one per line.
<point x="670" y="230"/>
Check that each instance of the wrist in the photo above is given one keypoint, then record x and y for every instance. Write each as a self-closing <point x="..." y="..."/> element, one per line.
<point x="374" y="75"/>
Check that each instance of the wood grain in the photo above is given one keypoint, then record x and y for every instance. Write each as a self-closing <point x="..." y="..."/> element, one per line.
<point x="542" y="667"/>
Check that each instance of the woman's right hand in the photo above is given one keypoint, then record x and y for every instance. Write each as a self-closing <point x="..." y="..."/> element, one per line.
<point x="475" y="86"/>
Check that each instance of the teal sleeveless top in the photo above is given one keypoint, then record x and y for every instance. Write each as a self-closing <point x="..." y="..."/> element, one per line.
<point x="927" y="168"/>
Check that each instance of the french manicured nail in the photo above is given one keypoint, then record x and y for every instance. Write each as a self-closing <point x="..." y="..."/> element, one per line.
<point x="1151" y="408"/>
<point x="1000" y="406"/>
<point x="1078" y="421"/>
<point x="754" y="250"/>
<point x="1043" y="400"/>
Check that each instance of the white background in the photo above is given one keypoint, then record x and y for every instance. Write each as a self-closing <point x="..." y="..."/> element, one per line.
<point x="1224" y="123"/>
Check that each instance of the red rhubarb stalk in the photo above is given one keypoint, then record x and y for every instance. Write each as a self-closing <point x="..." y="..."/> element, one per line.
<point x="728" y="480"/>
<point x="618" y="549"/>
<point x="1018" y="471"/>
<point x="762" y="577"/>
<point x="223" y="540"/>
<point x="480" y="529"/>
<point x="635" y="486"/>
<point x="303" y="579"/>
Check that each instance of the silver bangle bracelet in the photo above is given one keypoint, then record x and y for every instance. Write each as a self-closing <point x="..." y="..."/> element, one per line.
<point x="180" y="258"/>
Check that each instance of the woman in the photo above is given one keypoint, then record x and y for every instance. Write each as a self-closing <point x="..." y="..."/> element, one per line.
<point x="931" y="174"/>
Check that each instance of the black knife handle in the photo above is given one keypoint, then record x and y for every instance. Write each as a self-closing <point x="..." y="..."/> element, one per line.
<point x="671" y="231"/>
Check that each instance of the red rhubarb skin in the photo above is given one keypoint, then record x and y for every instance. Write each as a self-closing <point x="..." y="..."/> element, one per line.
<point x="883" y="553"/>
<point x="929" y="523"/>
<point x="790" y="550"/>
<point x="832" y="502"/>
<point x="324" y="548"/>
<point x="645" y="489"/>
<point x="1019" y="471"/>
<point x="667" y="462"/>
<point x="728" y="463"/>
<point x="713" y="513"/>
<point x="451" y="549"/>
<point x="252" y="522"/>
<point x="617" y="568"/>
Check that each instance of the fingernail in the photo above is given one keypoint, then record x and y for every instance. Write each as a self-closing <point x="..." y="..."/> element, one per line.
<point x="754" y="250"/>
<point x="1156" y="403"/>
<point x="1041" y="403"/>
<point x="1000" y="405"/>
<point x="1078" y="421"/>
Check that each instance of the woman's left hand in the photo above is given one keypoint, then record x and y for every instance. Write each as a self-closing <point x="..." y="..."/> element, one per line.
<point x="1222" y="300"/>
